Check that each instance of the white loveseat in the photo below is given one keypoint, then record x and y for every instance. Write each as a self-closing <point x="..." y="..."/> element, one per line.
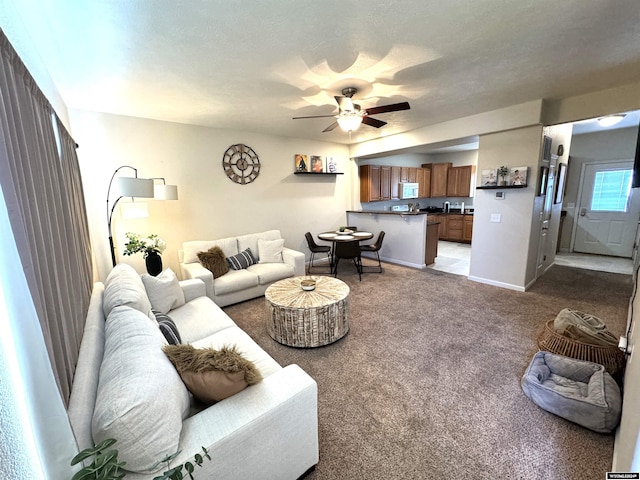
<point x="239" y="285"/>
<point x="126" y="388"/>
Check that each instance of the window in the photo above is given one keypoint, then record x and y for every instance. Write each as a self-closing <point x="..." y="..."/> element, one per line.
<point x="611" y="190"/>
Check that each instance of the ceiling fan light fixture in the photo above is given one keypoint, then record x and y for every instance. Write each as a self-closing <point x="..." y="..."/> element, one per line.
<point x="611" y="120"/>
<point x="349" y="123"/>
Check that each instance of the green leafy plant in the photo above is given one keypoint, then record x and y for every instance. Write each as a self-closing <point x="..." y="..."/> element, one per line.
<point x="105" y="465"/>
<point x="136" y="243"/>
<point x="503" y="172"/>
<point x="175" y="473"/>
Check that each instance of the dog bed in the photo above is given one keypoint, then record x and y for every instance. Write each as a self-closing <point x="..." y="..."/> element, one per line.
<point x="579" y="391"/>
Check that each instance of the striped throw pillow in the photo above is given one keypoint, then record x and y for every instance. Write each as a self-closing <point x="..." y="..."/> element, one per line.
<point x="242" y="260"/>
<point x="168" y="328"/>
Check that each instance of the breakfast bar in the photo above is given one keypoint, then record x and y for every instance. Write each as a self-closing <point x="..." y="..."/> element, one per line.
<point x="411" y="238"/>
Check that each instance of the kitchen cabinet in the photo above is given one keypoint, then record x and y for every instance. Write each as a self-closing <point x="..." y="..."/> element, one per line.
<point x="369" y="183"/>
<point x="459" y="181"/>
<point x="424" y="180"/>
<point x="431" y="245"/>
<point x="385" y="183"/>
<point x="467" y="228"/>
<point x="439" y="173"/>
<point x="409" y="174"/>
<point x="395" y="182"/>
<point x="375" y="183"/>
<point x="454" y="227"/>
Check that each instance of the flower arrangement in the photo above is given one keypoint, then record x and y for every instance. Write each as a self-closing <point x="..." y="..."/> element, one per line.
<point x="151" y="244"/>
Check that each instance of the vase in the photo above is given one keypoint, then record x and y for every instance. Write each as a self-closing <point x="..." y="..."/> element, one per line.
<point x="153" y="261"/>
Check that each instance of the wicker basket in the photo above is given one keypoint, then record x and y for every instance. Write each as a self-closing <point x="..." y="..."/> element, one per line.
<point x="610" y="357"/>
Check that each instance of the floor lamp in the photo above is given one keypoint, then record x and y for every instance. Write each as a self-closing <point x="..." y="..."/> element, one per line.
<point x="127" y="187"/>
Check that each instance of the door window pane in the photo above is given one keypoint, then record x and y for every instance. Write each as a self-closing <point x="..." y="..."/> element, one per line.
<point x="611" y="190"/>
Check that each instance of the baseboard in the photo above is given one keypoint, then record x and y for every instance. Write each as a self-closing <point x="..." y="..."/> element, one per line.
<point x="487" y="281"/>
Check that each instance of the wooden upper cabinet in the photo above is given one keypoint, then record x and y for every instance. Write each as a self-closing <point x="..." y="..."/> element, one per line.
<point x="369" y="183"/>
<point x="395" y="182"/>
<point x="459" y="181"/>
<point x="439" y="173"/>
<point x="385" y="183"/>
<point x="424" y="180"/>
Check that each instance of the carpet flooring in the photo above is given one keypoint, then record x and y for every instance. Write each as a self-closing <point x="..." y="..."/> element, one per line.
<point x="426" y="384"/>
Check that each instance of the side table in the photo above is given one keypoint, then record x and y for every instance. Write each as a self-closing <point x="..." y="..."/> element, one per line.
<point x="300" y="318"/>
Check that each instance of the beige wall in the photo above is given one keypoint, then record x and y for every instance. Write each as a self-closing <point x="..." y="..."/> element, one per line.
<point x="210" y="205"/>
<point x="500" y="251"/>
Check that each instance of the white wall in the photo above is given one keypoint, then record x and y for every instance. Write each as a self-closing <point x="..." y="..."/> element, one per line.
<point x="210" y="205"/>
<point x="500" y="251"/>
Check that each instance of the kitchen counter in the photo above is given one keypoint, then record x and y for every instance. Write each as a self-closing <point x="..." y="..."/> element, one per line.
<point x="386" y="212"/>
<point x="405" y="241"/>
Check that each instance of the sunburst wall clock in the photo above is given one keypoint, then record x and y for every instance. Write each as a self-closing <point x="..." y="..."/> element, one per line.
<point x="241" y="164"/>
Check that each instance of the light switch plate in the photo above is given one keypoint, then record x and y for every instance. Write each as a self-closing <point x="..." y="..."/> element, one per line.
<point x="496" y="217"/>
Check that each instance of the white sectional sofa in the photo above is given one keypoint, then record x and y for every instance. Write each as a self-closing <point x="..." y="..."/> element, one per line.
<point x="126" y="388"/>
<point x="240" y="285"/>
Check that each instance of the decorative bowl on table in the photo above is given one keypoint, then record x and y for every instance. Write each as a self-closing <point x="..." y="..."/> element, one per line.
<point x="345" y="231"/>
<point x="308" y="284"/>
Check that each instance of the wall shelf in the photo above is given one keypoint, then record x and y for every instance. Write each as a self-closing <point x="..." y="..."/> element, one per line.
<point x="495" y="187"/>
<point x="318" y="173"/>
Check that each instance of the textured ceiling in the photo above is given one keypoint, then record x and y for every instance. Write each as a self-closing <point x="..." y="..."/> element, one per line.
<point x="254" y="65"/>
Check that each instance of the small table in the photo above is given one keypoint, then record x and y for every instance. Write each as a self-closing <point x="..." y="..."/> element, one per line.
<point x="342" y="237"/>
<point x="300" y="318"/>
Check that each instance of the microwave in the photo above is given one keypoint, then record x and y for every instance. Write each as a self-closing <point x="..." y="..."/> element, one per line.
<point x="409" y="190"/>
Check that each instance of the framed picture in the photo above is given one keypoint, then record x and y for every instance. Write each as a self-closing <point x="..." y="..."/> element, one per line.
<point x="518" y="176"/>
<point x="544" y="178"/>
<point x="489" y="178"/>
<point x="331" y="165"/>
<point x="562" y="176"/>
<point x="317" y="164"/>
<point x="301" y="163"/>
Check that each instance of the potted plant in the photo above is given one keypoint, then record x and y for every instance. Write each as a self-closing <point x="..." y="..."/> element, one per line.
<point x="105" y="465"/>
<point x="502" y="173"/>
<point x="151" y="248"/>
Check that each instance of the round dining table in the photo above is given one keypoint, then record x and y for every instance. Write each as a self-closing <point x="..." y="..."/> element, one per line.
<point x="336" y="236"/>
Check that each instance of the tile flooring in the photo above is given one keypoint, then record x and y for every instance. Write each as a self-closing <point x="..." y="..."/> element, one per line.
<point x="454" y="258"/>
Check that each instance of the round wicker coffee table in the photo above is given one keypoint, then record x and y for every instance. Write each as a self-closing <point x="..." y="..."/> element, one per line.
<point x="300" y="318"/>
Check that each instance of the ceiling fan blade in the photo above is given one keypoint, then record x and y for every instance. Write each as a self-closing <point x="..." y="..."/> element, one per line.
<point x="330" y="127"/>
<point x="345" y="103"/>
<point x="388" y="108"/>
<point x="314" y="116"/>
<point x="374" y="122"/>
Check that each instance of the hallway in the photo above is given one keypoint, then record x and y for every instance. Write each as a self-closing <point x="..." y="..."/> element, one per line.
<point x="454" y="258"/>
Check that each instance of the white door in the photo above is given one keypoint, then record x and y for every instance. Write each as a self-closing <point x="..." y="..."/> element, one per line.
<point x="609" y="210"/>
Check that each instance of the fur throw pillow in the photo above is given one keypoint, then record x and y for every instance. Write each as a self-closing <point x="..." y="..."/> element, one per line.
<point x="212" y="375"/>
<point x="214" y="260"/>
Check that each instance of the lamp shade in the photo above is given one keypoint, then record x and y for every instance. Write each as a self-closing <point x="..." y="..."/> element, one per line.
<point x="135" y="187"/>
<point x="349" y="123"/>
<point x="165" y="192"/>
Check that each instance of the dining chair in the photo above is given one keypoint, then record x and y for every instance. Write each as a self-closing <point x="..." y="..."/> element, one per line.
<point x="315" y="248"/>
<point x="350" y="251"/>
<point x="375" y="247"/>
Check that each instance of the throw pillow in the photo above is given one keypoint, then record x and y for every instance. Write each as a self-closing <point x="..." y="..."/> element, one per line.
<point x="168" y="328"/>
<point x="242" y="260"/>
<point x="164" y="291"/>
<point x="212" y="375"/>
<point x="214" y="260"/>
<point x="270" y="251"/>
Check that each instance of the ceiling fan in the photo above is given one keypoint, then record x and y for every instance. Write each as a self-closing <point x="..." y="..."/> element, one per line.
<point x="351" y="115"/>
